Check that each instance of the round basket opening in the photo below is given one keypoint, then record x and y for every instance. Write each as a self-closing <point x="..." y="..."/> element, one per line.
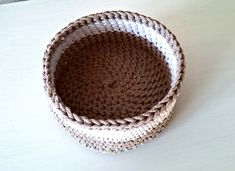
<point x="113" y="70"/>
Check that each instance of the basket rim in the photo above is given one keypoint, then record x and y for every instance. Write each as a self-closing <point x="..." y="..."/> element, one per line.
<point x="127" y="15"/>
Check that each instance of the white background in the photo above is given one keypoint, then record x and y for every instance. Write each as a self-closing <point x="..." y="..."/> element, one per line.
<point x="201" y="135"/>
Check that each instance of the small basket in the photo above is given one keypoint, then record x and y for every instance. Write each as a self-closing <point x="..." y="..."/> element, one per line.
<point x="113" y="78"/>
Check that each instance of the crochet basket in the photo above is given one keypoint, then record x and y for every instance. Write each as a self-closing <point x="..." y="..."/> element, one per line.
<point x="113" y="78"/>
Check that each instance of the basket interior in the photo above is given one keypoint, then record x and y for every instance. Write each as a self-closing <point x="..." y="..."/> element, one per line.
<point x="103" y="73"/>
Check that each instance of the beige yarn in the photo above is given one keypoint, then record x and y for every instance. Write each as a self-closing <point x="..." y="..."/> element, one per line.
<point x="112" y="79"/>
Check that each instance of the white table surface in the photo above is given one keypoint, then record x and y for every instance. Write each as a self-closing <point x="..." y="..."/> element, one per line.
<point x="201" y="135"/>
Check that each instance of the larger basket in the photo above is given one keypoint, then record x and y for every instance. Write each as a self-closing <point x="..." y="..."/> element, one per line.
<point x="113" y="78"/>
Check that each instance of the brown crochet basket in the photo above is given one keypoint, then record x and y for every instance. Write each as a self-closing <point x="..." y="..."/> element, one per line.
<point x="112" y="79"/>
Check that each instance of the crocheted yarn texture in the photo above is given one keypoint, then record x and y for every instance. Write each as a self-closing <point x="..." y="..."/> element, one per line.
<point x="113" y="78"/>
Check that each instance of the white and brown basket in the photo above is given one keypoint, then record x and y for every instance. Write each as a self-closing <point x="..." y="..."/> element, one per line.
<point x="113" y="79"/>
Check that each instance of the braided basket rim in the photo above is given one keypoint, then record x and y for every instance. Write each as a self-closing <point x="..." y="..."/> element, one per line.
<point x="124" y="15"/>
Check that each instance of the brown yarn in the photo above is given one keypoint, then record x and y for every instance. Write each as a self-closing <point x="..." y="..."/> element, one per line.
<point x="113" y="78"/>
